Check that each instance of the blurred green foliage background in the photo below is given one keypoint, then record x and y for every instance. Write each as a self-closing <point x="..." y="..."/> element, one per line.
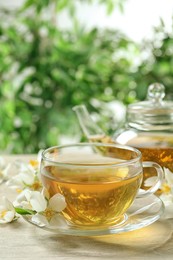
<point x="45" y="71"/>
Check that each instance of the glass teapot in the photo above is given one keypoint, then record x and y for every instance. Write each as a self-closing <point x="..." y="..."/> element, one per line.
<point x="149" y="127"/>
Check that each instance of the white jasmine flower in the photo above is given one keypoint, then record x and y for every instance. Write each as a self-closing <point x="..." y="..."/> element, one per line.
<point x="50" y="215"/>
<point x="45" y="193"/>
<point x="36" y="163"/>
<point x="57" y="203"/>
<point x="167" y="193"/>
<point x="168" y="203"/>
<point x="7" y="211"/>
<point x="31" y="200"/>
<point x="55" y="221"/>
<point x="4" y="170"/>
<point x="45" y="209"/>
<point x="27" y="177"/>
<point x="167" y="186"/>
<point x="37" y="201"/>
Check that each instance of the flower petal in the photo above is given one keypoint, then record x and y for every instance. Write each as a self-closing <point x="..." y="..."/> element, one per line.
<point x="15" y="182"/>
<point x="6" y="170"/>
<point x="7" y="211"/>
<point x="8" y="204"/>
<point x="9" y="216"/>
<point x="45" y="193"/>
<point x="38" y="201"/>
<point x="40" y="220"/>
<point x="57" y="202"/>
<point x="57" y="221"/>
<point x="20" y="198"/>
<point x="168" y="203"/>
<point x="26" y="205"/>
<point x="167" y="199"/>
<point x="32" y="200"/>
<point x="27" y="177"/>
<point x="168" y="176"/>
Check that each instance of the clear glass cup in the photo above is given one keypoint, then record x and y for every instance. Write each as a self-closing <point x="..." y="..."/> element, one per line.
<point x="99" y="181"/>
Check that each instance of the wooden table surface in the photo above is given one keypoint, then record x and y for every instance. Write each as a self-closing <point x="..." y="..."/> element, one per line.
<point x="21" y="240"/>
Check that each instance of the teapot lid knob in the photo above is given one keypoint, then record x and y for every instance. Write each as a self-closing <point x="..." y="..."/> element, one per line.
<point x="156" y="92"/>
<point x="155" y="113"/>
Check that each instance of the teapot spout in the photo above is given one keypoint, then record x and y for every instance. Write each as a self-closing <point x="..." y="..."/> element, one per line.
<point x="90" y="129"/>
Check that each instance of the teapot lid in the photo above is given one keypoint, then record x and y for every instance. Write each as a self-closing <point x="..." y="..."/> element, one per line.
<point x="152" y="114"/>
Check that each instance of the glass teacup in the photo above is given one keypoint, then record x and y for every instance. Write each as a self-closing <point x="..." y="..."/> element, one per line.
<point x="99" y="181"/>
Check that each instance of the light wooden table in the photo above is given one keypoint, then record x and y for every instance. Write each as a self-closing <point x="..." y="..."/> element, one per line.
<point x="21" y="240"/>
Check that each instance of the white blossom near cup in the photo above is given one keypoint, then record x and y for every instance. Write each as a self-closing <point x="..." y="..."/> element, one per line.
<point x="4" y="170"/>
<point x="166" y="191"/>
<point x="50" y="216"/>
<point x="26" y="178"/>
<point x="45" y="210"/>
<point x="7" y="211"/>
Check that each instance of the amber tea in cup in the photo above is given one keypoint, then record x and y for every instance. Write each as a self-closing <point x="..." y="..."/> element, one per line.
<point x="99" y="187"/>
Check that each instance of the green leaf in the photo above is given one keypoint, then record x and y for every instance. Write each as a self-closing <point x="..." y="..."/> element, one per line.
<point x="110" y="7"/>
<point x="22" y="211"/>
<point x="61" y="4"/>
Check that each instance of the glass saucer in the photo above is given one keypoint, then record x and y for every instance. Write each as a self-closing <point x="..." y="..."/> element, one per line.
<point x="142" y="213"/>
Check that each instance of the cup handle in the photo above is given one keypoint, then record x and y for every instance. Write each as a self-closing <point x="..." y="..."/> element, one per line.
<point x="158" y="182"/>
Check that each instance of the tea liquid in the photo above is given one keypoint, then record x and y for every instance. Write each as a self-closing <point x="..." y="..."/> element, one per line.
<point x="91" y="201"/>
<point x="156" y="148"/>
